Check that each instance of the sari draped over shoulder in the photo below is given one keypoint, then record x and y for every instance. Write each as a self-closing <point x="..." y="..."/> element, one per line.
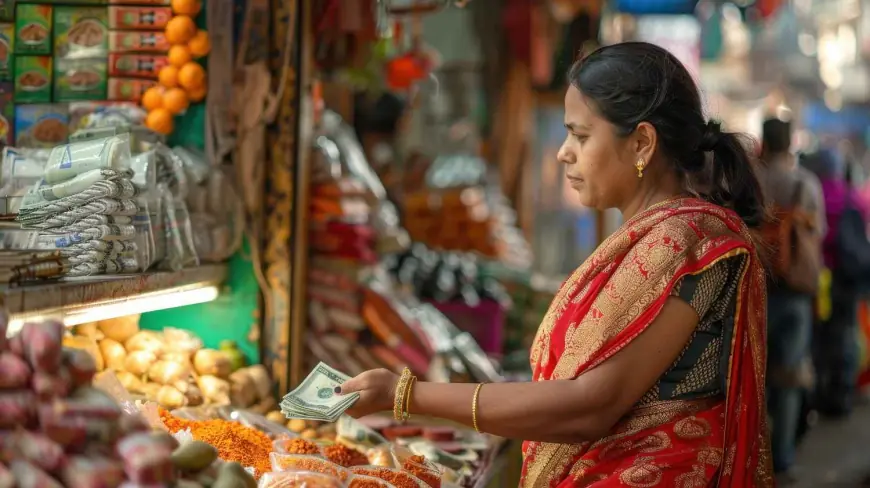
<point x="611" y="299"/>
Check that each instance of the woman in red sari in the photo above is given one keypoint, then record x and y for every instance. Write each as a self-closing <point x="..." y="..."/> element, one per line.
<point x="649" y="366"/>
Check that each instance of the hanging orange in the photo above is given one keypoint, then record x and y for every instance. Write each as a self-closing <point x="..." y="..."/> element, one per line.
<point x="191" y="76"/>
<point x="160" y="121"/>
<point x="180" y="29"/>
<point x="179" y="55"/>
<point x="152" y="98"/>
<point x="198" y="94"/>
<point x="200" y="45"/>
<point x="186" y="7"/>
<point x="176" y="100"/>
<point x="168" y="76"/>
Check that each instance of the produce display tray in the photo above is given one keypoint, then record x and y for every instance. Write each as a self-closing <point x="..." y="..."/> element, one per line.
<point x="72" y="293"/>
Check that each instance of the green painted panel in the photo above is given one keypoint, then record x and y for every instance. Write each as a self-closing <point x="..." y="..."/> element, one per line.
<point x="230" y="317"/>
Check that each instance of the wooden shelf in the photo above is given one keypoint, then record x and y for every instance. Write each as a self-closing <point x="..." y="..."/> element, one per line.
<point x="75" y="293"/>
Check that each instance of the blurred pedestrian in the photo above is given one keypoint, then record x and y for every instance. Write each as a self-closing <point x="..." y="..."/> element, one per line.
<point x="794" y="238"/>
<point x="846" y="249"/>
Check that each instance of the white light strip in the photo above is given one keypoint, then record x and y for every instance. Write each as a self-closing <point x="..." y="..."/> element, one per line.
<point x="131" y="306"/>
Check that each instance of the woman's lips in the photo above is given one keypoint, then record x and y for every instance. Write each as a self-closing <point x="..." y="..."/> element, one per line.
<point x="574" y="179"/>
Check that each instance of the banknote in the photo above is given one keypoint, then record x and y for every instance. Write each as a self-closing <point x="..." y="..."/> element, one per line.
<point x="315" y="397"/>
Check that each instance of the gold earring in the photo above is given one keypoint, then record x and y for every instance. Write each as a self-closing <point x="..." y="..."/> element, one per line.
<point x="640" y="165"/>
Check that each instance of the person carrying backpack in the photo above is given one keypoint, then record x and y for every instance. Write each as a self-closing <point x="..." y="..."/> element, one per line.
<point x="793" y="239"/>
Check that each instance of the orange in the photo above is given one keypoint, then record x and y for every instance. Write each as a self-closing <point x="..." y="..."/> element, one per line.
<point x="191" y="76"/>
<point x="160" y="121"/>
<point x="200" y="45"/>
<point x="197" y="94"/>
<point x="152" y="98"/>
<point x="180" y="29"/>
<point x="179" y="55"/>
<point x="168" y="76"/>
<point x="186" y="7"/>
<point x="175" y="100"/>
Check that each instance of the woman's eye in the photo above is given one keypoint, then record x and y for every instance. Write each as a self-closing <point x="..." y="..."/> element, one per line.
<point x="579" y="137"/>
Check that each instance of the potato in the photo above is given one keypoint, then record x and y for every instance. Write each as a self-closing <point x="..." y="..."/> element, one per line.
<point x="120" y="329"/>
<point x="170" y="398"/>
<point x="212" y="362"/>
<point x="131" y="382"/>
<point x="113" y="354"/>
<point x="167" y="373"/>
<point x="139" y="362"/>
<point x="146" y="340"/>
<point x="243" y="393"/>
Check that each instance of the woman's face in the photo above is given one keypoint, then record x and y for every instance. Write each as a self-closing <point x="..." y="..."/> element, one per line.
<point x="599" y="164"/>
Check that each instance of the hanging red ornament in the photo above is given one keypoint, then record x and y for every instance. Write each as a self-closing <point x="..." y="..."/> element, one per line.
<point x="403" y="71"/>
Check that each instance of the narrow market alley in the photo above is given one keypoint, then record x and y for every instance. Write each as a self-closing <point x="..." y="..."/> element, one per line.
<point x="835" y="453"/>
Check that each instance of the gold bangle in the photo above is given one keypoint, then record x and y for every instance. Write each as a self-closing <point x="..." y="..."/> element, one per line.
<point x="399" y="397"/>
<point x="474" y="407"/>
<point x="406" y="415"/>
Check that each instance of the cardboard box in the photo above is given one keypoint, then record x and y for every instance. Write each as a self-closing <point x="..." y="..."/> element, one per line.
<point x="7" y="114"/>
<point x="80" y="79"/>
<point x="80" y="32"/>
<point x="128" y="89"/>
<point x="43" y="126"/>
<point x="136" y="65"/>
<point x="7" y="48"/>
<point x="33" y="79"/>
<point x="127" y="41"/>
<point x="139" y="17"/>
<point x="7" y="10"/>
<point x="33" y="25"/>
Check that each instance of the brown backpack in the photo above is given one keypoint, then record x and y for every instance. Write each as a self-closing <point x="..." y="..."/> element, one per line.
<point x="795" y="245"/>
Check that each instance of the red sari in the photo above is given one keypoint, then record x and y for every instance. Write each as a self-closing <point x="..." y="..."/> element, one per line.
<point x="612" y="298"/>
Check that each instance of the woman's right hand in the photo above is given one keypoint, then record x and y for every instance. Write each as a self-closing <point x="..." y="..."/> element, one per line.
<point x="376" y="388"/>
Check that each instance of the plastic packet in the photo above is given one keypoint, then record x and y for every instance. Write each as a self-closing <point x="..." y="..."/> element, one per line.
<point x="301" y="462"/>
<point x="362" y="481"/>
<point x="170" y="171"/>
<point x="194" y="164"/>
<point x="144" y="166"/>
<point x="108" y="382"/>
<point x="261" y="423"/>
<point x="417" y="465"/>
<point x="349" y="428"/>
<point x="381" y="456"/>
<point x="75" y="158"/>
<point x="21" y="168"/>
<point x="394" y="476"/>
<point x="97" y="115"/>
<point x="298" y="479"/>
<point x="149" y="227"/>
<point x="180" y="251"/>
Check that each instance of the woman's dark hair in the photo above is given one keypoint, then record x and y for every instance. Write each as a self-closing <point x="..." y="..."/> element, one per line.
<point x="636" y="82"/>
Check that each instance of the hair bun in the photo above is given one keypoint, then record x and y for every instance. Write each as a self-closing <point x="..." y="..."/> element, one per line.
<point x="710" y="138"/>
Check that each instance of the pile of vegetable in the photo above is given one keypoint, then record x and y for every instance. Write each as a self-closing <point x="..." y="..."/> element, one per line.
<point x="172" y="368"/>
<point x="57" y="430"/>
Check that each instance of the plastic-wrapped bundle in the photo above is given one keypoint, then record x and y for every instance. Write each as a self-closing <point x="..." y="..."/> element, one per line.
<point x="88" y="201"/>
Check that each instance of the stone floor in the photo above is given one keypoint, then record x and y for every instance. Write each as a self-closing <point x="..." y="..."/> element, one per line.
<point x="836" y="454"/>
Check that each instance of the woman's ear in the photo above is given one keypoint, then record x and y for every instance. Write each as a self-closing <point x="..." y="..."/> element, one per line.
<point x="645" y="140"/>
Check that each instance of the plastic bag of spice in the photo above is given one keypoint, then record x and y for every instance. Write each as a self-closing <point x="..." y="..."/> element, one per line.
<point x="417" y="465"/>
<point x="296" y="445"/>
<point x="399" y="479"/>
<point x="362" y="481"/>
<point x="298" y="479"/>
<point x="301" y="462"/>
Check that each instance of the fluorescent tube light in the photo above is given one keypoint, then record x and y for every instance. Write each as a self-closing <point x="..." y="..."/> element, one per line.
<point x="148" y="302"/>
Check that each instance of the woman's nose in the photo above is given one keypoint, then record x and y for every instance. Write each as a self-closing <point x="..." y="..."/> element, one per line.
<point x="564" y="155"/>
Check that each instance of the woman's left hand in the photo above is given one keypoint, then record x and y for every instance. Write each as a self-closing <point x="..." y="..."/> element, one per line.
<point x="376" y="388"/>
